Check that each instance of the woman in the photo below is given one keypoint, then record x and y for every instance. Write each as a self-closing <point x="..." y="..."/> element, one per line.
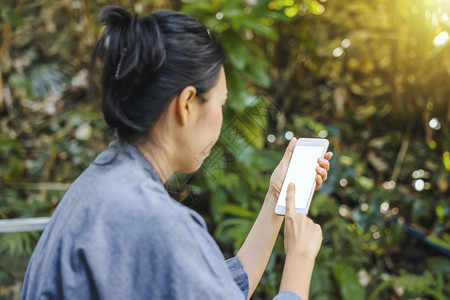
<point x="117" y="234"/>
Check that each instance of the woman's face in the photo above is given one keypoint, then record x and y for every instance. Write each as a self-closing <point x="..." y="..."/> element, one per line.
<point x="208" y="122"/>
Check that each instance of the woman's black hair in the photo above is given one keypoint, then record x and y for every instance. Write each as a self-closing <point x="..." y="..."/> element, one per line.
<point x="147" y="62"/>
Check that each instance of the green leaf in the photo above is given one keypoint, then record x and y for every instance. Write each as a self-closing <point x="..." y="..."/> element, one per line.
<point x="234" y="229"/>
<point x="22" y="85"/>
<point x="238" y="90"/>
<point x="314" y="7"/>
<point x="261" y="28"/>
<point x="257" y="73"/>
<point x="442" y="242"/>
<point x="199" y="9"/>
<point x="17" y="243"/>
<point x="11" y="17"/>
<point x="237" y="211"/>
<point x="321" y="281"/>
<point x="440" y="264"/>
<point x="218" y="199"/>
<point x="348" y="282"/>
<point x="9" y="146"/>
<point x="14" y="169"/>
<point x="365" y="182"/>
<point x="238" y="54"/>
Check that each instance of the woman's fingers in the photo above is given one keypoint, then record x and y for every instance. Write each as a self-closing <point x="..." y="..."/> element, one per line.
<point x="290" y="199"/>
<point x="322" y="169"/>
<point x="319" y="181"/>
<point x="288" y="153"/>
<point x="322" y="173"/>
<point x="325" y="161"/>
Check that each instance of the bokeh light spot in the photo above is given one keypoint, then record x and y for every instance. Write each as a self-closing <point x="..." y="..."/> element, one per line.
<point x="364" y="207"/>
<point x="418" y="174"/>
<point x="322" y="134"/>
<point x="389" y="185"/>
<point x="419" y="185"/>
<point x="434" y="124"/>
<point x="219" y="16"/>
<point x="337" y="52"/>
<point x="288" y="135"/>
<point x="384" y="207"/>
<point x="441" y="39"/>
<point x="346" y="43"/>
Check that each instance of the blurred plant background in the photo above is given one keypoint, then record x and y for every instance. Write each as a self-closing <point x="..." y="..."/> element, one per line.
<point x="371" y="76"/>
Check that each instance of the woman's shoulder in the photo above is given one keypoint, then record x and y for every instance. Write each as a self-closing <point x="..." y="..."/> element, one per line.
<point x="120" y="184"/>
<point x="123" y="187"/>
<point x="122" y="169"/>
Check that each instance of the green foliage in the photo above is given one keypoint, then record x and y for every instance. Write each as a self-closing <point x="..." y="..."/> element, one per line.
<point x="13" y="243"/>
<point x="365" y="75"/>
<point x="443" y="242"/>
<point x="9" y="16"/>
<point x="348" y="282"/>
<point x="412" y="285"/>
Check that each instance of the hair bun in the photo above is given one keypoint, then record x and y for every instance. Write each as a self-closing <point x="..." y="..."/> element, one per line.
<point x="133" y="46"/>
<point x="115" y="16"/>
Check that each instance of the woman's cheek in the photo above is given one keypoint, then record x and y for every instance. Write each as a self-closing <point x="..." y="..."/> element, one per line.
<point x="220" y="114"/>
<point x="219" y="119"/>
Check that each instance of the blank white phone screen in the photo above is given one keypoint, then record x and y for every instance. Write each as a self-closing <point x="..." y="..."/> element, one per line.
<point x="302" y="172"/>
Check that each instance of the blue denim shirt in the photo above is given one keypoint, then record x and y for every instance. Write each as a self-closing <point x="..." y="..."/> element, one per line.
<point x="117" y="234"/>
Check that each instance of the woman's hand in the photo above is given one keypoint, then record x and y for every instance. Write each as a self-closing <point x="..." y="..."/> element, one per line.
<point x="302" y="240"/>
<point x="302" y="237"/>
<point x="276" y="180"/>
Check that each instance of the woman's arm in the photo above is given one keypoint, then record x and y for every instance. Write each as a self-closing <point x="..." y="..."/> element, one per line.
<point x="255" y="252"/>
<point x="302" y="241"/>
<point x="297" y="273"/>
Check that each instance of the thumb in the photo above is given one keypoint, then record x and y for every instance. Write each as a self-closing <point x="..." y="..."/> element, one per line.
<point x="290" y="199"/>
<point x="288" y="153"/>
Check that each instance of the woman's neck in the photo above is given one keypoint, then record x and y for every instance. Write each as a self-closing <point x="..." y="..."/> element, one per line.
<point x="158" y="158"/>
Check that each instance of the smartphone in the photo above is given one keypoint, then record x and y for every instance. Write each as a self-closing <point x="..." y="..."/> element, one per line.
<point x="302" y="172"/>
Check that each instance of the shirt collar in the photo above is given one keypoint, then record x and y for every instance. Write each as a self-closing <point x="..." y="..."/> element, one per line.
<point x="117" y="149"/>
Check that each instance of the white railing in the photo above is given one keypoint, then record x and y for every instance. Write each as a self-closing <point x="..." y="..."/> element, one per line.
<point x="30" y="224"/>
<point x="21" y="225"/>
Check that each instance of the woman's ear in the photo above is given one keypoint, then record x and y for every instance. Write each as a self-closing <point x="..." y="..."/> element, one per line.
<point x="185" y="104"/>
